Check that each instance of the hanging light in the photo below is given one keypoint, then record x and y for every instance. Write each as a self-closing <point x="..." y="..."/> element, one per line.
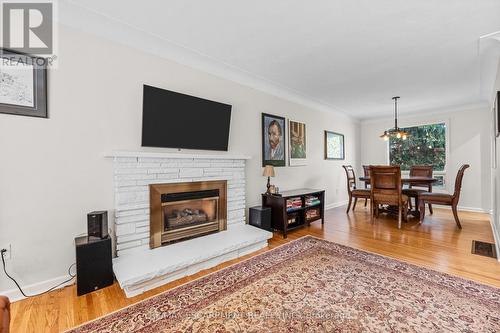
<point x="396" y="131"/>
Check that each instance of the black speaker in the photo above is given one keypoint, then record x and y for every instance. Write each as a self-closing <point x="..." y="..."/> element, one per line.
<point x="97" y="225"/>
<point x="260" y="217"/>
<point x="94" y="269"/>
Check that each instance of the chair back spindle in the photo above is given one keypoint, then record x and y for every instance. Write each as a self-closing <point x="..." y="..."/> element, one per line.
<point x="351" y="178"/>
<point x="366" y="170"/>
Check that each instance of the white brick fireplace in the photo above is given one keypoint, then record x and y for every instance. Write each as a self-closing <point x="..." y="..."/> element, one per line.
<point x="138" y="268"/>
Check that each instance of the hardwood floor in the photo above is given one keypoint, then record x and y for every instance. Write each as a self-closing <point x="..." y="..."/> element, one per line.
<point x="436" y="244"/>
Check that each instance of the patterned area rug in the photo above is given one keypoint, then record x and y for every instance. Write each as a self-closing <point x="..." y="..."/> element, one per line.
<point x="312" y="285"/>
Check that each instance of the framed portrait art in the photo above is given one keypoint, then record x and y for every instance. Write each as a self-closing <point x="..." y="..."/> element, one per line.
<point x="24" y="84"/>
<point x="334" y="146"/>
<point x="296" y="143"/>
<point x="273" y="140"/>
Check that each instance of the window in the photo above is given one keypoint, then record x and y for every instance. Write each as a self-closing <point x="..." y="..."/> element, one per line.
<point x="426" y="145"/>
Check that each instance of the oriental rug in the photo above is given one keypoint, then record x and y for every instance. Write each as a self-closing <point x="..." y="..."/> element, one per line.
<point x="313" y="285"/>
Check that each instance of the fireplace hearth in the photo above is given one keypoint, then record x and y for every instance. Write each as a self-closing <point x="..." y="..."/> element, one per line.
<point x="182" y="211"/>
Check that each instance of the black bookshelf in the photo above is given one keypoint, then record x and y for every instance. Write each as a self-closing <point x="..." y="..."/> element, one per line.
<point x="285" y="220"/>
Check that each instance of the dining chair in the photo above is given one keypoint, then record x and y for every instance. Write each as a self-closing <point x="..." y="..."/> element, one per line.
<point x="352" y="190"/>
<point x="444" y="198"/>
<point x="366" y="170"/>
<point x="411" y="191"/>
<point x="385" y="187"/>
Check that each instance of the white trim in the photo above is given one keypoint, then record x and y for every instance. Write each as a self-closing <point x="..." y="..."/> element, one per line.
<point x="336" y="205"/>
<point x="175" y="155"/>
<point x="36" y="288"/>
<point x="464" y="209"/>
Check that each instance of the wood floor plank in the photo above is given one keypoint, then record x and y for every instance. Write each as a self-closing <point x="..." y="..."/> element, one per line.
<point x="436" y="244"/>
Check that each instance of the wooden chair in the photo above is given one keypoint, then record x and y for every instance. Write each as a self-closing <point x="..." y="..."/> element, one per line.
<point x="385" y="186"/>
<point x="411" y="191"/>
<point x="4" y="314"/>
<point x="444" y="198"/>
<point x="351" y="188"/>
<point x="366" y="169"/>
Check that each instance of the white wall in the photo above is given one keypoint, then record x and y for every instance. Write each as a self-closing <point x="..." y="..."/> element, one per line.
<point x="52" y="171"/>
<point x="469" y="142"/>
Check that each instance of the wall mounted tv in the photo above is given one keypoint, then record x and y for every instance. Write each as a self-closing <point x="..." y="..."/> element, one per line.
<point x="174" y="120"/>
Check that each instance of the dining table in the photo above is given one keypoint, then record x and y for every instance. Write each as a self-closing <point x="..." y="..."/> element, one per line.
<point x="413" y="181"/>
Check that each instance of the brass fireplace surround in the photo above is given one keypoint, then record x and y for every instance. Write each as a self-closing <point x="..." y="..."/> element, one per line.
<point x="158" y="236"/>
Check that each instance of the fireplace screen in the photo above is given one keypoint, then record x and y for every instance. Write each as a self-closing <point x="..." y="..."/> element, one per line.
<point x="181" y="211"/>
<point x="189" y="214"/>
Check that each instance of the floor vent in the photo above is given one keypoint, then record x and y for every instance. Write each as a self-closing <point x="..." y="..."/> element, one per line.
<point x="484" y="249"/>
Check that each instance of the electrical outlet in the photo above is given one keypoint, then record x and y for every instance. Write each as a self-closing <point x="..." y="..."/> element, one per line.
<point x="7" y="255"/>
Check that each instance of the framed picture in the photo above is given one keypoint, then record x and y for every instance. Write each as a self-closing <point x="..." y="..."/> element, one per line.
<point x="24" y="84"/>
<point x="296" y="143"/>
<point x="273" y="140"/>
<point x="334" y="146"/>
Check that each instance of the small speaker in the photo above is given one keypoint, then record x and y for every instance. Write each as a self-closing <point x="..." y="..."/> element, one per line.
<point x="94" y="269"/>
<point x="260" y="217"/>
<point x="97" y="225"/>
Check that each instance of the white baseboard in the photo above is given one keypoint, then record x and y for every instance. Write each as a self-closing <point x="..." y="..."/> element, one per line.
<point x="465" y="209"/>
<point x="36" y="288"/>
<point x="336" y="204"/>
<point x="496" y="235"/>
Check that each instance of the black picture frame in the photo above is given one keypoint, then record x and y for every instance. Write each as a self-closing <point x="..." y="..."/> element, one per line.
<point x="39" y="108"/>
<point x="266" y="120"/>
<point x="342" y="155"/>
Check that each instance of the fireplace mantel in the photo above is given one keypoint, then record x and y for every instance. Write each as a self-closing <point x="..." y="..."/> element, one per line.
<point x="147" y="154"/>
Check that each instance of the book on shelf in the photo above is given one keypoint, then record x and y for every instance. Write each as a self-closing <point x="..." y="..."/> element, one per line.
<point x="293" y="203"/>
<point x="312" y="200"/>
<point x="312" y="213"/>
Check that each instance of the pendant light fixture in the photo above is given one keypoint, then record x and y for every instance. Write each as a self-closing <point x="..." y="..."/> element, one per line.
<point x="395" y="132"/>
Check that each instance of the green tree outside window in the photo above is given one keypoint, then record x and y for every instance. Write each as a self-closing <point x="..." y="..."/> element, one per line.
<point x="426" y="145"/>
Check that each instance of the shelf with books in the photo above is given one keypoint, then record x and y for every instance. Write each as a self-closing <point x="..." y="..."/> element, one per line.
<point x="295" y="209"/>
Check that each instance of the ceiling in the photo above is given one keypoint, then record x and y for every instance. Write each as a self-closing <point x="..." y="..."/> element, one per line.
<point x="349" y="55"/>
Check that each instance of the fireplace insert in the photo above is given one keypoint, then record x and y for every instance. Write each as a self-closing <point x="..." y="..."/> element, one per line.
<point x="186" y="209"/>
<point x="181" y="211"/>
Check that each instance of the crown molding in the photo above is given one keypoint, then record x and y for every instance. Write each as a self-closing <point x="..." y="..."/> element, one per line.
<point x="74" y="15"/>
<point x="430" y="112"/>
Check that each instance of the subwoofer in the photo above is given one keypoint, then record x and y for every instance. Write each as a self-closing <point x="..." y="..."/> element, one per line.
<point x="260" y="217"/>
<point x="94" y="269"/>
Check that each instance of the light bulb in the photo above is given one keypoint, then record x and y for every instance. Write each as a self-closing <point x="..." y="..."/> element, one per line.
<point x="404" y="137"/>
<point x="386" y="137"/>
<point x="398" y="135"/>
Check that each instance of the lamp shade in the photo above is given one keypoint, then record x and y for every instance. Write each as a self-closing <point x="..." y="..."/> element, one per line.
<point x="268" y="171"/>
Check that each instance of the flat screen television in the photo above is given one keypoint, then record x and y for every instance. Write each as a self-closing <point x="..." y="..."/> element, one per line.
<point x="175" y="120"/>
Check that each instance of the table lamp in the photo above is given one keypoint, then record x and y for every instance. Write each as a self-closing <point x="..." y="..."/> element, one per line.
<point x="268" y="172"/>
